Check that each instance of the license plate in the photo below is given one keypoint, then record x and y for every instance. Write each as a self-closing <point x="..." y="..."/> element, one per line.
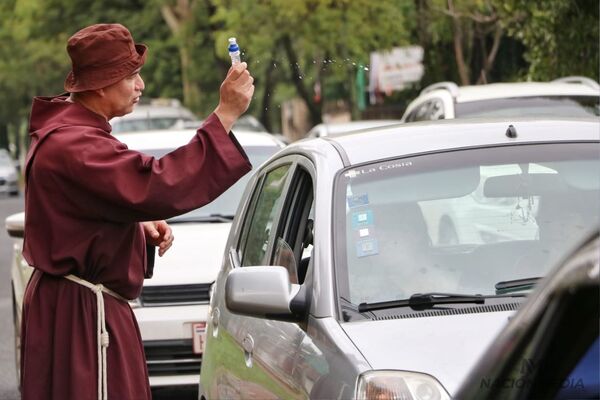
<point x="198" y="337"/>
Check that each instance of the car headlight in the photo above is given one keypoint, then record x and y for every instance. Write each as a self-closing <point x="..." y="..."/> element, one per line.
<point x="396" y="385"/>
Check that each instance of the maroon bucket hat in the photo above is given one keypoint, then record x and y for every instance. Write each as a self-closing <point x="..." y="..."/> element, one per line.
<point x="101" y="55"/>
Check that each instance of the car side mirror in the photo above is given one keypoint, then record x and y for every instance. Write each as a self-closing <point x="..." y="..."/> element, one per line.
<point x="264" y="292"/>
<point x="15" y="225"/>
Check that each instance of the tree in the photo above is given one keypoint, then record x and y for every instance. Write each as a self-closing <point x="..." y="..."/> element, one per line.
<point x="308" y="42"/>
<point x="475" y="30"/>
<point x="561" y="37"/>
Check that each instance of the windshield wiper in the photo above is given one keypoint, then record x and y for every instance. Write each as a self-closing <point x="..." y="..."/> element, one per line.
<point x="203" y="218"/>
<point x="516" y="285"/>
<point x="423" y="300"/>
<point x="226" y="217"/>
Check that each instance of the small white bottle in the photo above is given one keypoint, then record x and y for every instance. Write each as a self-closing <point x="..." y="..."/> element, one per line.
<point x="234" y="51"/>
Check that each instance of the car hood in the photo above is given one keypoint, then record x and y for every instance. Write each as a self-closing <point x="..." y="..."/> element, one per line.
<point x="446" y="347"/>
<point x="195" y="256"/>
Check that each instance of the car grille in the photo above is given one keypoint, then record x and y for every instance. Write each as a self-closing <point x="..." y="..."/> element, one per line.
<point x="171" y="357"/>
<point x="154" y="296"/>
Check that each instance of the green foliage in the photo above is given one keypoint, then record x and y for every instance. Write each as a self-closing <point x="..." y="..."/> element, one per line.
<point x="561" y="37"/>
<point x="327" y="39"/>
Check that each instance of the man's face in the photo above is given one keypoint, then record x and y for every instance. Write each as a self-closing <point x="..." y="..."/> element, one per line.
<point x="122" y="96"/>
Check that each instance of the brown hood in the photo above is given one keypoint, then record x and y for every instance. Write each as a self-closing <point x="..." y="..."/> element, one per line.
<point x="49" y="114"/>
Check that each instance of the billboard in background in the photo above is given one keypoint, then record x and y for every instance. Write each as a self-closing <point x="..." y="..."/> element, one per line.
<point x="395" y="69"/>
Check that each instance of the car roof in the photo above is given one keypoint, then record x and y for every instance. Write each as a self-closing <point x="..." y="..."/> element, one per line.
<point x="173" y="138"/>
<point x="335" y="128"/>
<point x="522" y="89"/>
<point x="406" y="139"/>
<point x="144" y="111"/>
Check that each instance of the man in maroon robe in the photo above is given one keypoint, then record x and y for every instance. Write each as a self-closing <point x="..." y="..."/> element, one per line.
<point x="86" y="199"/>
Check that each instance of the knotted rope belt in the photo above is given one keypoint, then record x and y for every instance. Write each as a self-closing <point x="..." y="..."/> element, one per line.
<point x="102" y="333"/>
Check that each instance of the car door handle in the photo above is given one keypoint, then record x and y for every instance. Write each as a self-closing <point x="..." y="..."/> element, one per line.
<point x="248" y="346"/>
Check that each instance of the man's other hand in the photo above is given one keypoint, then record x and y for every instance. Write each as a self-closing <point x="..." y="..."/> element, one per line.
<point x="236" y="93"/>
<point x="158" y="233"/>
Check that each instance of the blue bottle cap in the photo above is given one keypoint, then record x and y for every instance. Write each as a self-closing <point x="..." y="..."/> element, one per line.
<point x="233" y="45"/>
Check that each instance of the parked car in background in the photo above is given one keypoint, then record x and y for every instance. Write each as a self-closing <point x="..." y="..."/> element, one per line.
<point x="157" y="114"/>
<point x="332" y="287"/>
<point x="246" y="123"/>
<point x="549" y="350"/>
<point x="172" y="308"/>
<point x="9" y="175"/>
<point x="337" y="128"/>
<point x="566" y="97"/>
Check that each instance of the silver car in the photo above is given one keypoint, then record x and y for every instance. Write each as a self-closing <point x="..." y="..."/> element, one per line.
<point x="332" y="287"/>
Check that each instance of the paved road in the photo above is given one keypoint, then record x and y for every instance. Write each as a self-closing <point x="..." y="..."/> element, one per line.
<point x="8" y="381"/>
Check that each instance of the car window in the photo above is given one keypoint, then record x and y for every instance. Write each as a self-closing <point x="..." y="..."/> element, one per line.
<point x="461" y="221"/>
<point x="419" y="113"/>
<point x="260" y="224"/>
<point x="295" y="236"/>
<point x="437" y="110"/>
<point x="549" y="106"/>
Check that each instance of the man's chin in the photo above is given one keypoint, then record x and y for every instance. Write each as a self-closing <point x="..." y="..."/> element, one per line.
<point x="125" y="111"/>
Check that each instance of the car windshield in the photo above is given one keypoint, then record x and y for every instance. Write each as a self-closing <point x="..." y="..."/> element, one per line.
<point x="223" y="208"/>
<point x="461" y="221"/>
<point x="550" y="106"/>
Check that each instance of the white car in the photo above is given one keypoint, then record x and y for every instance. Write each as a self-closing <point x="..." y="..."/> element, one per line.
<point x="338" y="128"/>
<point x="171" y="310"/>
<point x="158" y="114"/>
<point x="566" y="97"/>
<point x="9" y="175"/>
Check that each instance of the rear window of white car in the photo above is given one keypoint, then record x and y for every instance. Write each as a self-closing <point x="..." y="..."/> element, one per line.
<point x="462" y="221"/>
<point x="549" y="106"/>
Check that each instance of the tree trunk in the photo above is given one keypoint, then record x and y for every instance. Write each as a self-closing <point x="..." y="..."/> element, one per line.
<point x="313" y="110"/>
<point x="176" y="17"/>
<point x="463" y="71"/>
<point x="269" y="84"/>
<point x="491" y="56"/>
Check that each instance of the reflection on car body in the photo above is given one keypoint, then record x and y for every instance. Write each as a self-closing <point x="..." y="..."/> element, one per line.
<point x="381" y="309"/>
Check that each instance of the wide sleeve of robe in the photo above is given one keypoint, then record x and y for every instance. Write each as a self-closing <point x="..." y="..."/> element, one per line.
<point x="104" y="179"/>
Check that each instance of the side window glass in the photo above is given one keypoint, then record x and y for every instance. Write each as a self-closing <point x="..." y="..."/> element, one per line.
<point x="437" y="110"/>
<point x="422" y="112"/>
<point x="263" y="219"/>
<point x="411" y="116"/>
<point x="295" y="238"/>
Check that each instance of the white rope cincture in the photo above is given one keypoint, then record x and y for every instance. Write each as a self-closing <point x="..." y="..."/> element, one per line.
<point x="102" y="338"/>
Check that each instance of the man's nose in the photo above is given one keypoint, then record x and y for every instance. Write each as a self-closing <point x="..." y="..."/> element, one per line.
<point x="140" y="83"/>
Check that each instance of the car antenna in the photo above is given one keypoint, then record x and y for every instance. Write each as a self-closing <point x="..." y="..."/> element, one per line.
<point x="511" y="132"/>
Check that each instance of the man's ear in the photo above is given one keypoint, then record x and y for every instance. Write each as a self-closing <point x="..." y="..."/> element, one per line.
<point x="99" y="92"/>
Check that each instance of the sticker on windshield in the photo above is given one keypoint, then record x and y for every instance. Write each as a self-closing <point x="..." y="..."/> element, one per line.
<point x="358" y="200"/>
<point x="367" y="247"/>
<point x="361" y="219"/>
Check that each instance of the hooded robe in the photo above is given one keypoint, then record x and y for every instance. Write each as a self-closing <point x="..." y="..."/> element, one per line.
<point x="85" y="196"/>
